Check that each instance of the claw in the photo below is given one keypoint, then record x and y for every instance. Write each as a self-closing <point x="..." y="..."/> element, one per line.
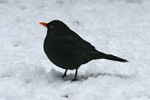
<point x="73" y="80"/>
<point x="64" y="76"/>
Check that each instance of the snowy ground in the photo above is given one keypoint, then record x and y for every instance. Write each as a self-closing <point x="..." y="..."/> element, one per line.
<point x="119" y="27"/>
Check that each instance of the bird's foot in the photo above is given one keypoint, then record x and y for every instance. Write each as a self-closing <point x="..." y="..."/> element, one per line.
<point x="75" y="79"/>
<point x="64" y="75"/>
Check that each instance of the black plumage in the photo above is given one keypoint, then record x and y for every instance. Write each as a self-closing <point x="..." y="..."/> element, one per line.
<point x="68" y="50"/>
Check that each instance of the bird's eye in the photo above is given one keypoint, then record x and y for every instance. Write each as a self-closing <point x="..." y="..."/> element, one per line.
<point x="51" y="27"/>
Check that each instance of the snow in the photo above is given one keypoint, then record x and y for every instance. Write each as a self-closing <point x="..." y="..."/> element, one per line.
<point x="118" y="27"/>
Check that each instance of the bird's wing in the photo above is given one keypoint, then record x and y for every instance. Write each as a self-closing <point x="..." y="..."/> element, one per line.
<point x="75" y="44"/>
<point x="83" y="50"/>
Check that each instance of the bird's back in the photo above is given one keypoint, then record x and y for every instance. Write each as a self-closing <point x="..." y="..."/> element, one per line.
<point x="69" y="50"/>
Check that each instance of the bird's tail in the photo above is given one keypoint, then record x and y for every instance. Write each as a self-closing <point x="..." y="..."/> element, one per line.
<point x="109" y="57"/>
<point x="115" y="58"/>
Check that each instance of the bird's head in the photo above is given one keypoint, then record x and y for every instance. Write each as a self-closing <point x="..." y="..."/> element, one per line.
<point x="55" y="25"/>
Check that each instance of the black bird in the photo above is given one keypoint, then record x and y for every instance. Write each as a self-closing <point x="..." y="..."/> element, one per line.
<point x="68" y="50"/>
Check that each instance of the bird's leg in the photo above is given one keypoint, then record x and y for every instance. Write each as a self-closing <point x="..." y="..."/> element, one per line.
<point x="75" y="78"/>
<point x="65" y="74"/>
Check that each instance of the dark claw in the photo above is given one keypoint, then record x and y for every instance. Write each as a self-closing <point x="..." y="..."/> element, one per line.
<point x="64" y="76"/>
<point x="73" y="80"/>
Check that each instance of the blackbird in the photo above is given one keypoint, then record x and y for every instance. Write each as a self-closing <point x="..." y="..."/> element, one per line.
<point x="68" y="50"/>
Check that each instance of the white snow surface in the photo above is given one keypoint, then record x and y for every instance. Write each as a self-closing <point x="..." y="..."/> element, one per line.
<point x="118" y="27"/>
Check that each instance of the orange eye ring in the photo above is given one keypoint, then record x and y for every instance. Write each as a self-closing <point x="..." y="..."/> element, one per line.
<point x="51" y="27"/>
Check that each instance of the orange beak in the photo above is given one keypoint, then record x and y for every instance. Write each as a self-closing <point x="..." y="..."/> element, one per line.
<point x="44" y="24"/>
